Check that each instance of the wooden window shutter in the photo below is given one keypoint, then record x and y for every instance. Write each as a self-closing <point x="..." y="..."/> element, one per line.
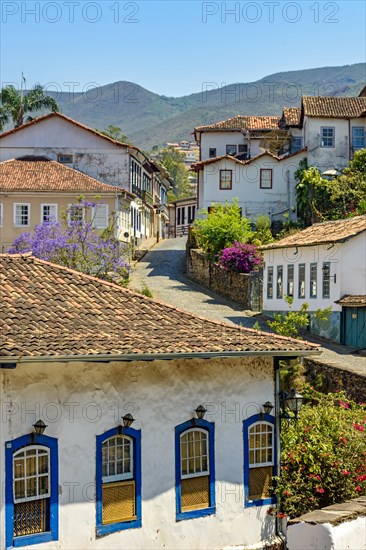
<point x="260" y="482"/>
<point x="195" y="493"/>
<point x="119" y="501"/>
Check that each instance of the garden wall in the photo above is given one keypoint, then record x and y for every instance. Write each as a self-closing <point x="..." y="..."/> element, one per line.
<point x="243" y="288"/>
<point x="336" y="527"/>
<point x="330" y="378"/>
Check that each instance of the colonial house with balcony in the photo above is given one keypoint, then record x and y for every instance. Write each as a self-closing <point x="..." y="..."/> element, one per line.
<point x="34" y="190"/>
<point x="66" y="141"/>
<point x="324" y="265"/>
<point x="127" y="423"/>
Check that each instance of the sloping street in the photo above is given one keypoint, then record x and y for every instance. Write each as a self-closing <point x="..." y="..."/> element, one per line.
<point x="162" y="270"/>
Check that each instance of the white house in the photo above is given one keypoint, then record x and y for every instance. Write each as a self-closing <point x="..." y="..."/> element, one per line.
<point x="124" y="456"/>
<point x="333" y="129"/>
<point x="238" y="136"/>
<point x="263" y="185"/>
<point x="65" y="140"/>
<point x="324" y="265"/>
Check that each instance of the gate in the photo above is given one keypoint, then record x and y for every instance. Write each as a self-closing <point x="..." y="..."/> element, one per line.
<point x="256" y="290"/>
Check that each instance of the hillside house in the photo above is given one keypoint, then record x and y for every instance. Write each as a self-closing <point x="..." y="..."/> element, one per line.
<point x="333" y="129"/>
<point x="35" y="190"/>
<point x="124" y="455"/>
<point x="239" y="136"/>
<point x="66" y="141"/>
<point x="324" y="265"/>
<point x="263" y="185"/>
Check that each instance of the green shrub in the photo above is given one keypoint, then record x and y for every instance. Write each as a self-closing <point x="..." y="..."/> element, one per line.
<point x="220" y="228"/>
<point x="323" y="453"/>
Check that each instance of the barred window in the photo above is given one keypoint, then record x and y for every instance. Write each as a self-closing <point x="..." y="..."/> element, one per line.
<point x="194" y="453"/>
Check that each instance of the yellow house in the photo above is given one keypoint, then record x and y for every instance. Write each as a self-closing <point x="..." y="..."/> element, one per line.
<point x="34" y="190"/>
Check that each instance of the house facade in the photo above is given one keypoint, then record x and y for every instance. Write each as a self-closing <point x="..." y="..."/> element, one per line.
<point x="64" y="140"/>
<point x="263" y="185"/>
<point x="333" y="129"/>
<point x="325" y="266"/>
<point x="238" y="136"/>
<point x="182" y="213"/>
<point x="124" y="455"/>
<point x="35" y="190"/>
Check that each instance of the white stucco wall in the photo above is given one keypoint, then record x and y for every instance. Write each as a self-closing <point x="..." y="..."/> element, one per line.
<point x="348" y="263"/>
<point x="93" y="155"/>
<point x="274" y="202"/>
<point x="350" y="535"/>
<point x="353" y="265"/>
<point x="79" y="401"/>
<point x="305" y="255"/>
<point x="326" y="158"/>
<point x="219" y="140"/>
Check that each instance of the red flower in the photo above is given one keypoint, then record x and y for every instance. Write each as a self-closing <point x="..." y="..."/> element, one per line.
<point x="286" y="493"/>
<point x="358" y="489"/>
<point x="346" y="472"/>
<point x="319" y="490"/>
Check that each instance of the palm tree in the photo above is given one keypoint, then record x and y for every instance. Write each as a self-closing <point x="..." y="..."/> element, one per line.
<point x="15" y="105"/>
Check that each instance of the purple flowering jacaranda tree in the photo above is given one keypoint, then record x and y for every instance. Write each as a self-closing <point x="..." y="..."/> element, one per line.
<point x="75" y="243"/>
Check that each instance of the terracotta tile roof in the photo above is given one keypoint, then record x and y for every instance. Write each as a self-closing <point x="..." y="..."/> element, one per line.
<point x="49" y="310"/>
<point x="319" y="233"/>
<point x="362" y="92"/>
<point x="290" y="117"/>
<point x="334" y="107"/>
<point x="358" y="300"/>
<point x="42" y="174"/>
<point x="240" y="123"/>
<point x="198" y="165"/>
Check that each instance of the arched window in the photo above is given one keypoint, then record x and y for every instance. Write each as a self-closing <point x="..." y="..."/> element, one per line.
<point x="118" y="480"/>
<point x="195" y="479"/>
<point x="31" y="490"/>
<point x="259" y="459"/>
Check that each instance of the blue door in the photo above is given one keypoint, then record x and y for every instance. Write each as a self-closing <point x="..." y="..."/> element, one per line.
<point x="354" y="327"/>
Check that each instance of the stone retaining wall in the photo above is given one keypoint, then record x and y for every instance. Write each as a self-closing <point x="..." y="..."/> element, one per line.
<point x="235" y="286"/>
<point x="329" y="378"/>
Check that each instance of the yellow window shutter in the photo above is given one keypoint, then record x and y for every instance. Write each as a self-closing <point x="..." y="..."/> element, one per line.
<point x="119" y="502"/>
<point x="195" y="493"/>
<point x="260" y="481"/>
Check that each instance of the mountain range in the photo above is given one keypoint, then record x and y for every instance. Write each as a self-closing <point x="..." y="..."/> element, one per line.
<point x="150" y="119"/>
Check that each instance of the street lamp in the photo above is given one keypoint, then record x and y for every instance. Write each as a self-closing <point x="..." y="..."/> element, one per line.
<point x="293" y="401"/>
<point x="267" y="407"/>
<point x="128" y="419"/>
<point x="326" y="273"/>
<point x="200" y="411"/>
<point x="39" y="427"/>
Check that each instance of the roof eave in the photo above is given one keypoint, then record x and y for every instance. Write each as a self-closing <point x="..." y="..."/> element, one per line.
<point x="155" y="356"/>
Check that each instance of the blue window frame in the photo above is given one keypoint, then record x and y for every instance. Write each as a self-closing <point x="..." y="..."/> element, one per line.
<point x="195" y="469"/>
<point x="327" y="136"/>
<point x="31" y="487"/>
<point x="259" y="459"/>
<point x="358" y="137"/>
<point x="118" y="479"/>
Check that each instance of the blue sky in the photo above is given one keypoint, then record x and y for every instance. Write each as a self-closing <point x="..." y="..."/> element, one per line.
<point x="173" y="47"/>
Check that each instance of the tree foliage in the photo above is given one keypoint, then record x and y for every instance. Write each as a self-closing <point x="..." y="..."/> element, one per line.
<point x="220" y="228"/>
<point x="75" y="243"/>
<point x="15" y="104"/>
<point x="116" y="133"/>
<point x="320" y="199"/>
<point x="323" y="459"/>
<point x="173" y="162"/>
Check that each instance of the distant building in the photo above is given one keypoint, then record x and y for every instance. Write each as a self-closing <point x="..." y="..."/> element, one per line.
<point x="66" y="141"/>
<point x="182" y="213"/>
<point x="36" y="190"/>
